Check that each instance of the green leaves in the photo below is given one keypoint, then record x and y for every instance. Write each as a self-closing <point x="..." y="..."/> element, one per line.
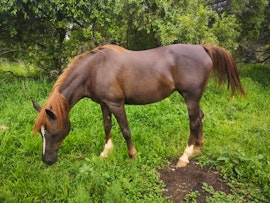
<point x="48" y="33"/>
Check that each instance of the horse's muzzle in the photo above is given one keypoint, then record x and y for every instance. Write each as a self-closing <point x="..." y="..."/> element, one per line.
<point x="50" y="159"/>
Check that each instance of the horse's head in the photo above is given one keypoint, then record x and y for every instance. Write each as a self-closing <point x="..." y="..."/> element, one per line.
<point x="52" y="133"/>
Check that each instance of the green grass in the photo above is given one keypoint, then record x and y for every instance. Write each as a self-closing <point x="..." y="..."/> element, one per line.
<point x="236" y="143"/>
<point x="17" y="68"/>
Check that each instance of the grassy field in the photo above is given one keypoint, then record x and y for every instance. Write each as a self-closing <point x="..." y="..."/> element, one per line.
<point x="236" y="134"/>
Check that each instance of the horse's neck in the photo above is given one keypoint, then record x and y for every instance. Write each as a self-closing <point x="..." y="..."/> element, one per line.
<point x="73" y="89"/>
<point x="72" y="95"/>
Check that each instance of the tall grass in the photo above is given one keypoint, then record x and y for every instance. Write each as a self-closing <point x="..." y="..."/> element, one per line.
<point x="18" y="69"/>
<point x="236" y="143"/>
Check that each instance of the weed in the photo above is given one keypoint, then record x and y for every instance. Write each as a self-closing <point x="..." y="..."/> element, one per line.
<point x="192" y="196"/>
<point x="219" y="196"/>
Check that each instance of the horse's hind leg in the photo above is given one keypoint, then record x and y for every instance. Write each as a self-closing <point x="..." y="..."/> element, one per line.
<point x="120" y="115"/>
<point x="195" y="118"/>
<point x="107" y="122"/>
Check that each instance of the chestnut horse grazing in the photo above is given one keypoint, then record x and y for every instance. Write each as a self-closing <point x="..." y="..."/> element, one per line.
<point x="113" y="76"/>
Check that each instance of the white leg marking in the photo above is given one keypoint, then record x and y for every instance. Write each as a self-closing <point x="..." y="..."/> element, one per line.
<point x="107" y="149"/>
<point x="183" y="160"/>
<point x="187" y="153"/>
<point x="43" y="131"/>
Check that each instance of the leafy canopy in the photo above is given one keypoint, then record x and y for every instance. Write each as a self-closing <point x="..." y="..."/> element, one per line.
<point x="47" y="33"/>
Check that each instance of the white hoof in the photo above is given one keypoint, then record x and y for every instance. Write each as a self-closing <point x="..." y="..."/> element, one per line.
<point x="183" y="160"/>
<point x="107" y="149"/>
<point x="181" y="164"/>
<point x="103" y="155"/>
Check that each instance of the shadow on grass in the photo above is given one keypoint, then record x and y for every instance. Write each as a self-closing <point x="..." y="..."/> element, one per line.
<point x="258" y="73"/>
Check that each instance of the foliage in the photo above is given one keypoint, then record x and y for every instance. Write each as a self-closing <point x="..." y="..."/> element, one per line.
<point x="47" y="33"/>
<point x="189" y="22"/>
<point x="255" y="30"/>
<point x="192" y="196"/>
<point x="218" y="196"/>
<point x="254" y="12"/>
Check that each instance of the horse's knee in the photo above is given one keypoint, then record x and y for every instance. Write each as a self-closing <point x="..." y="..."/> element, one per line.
<point x="126" y="133"/>
<point x="107" y="128"/>
<point x="196" y="124"/>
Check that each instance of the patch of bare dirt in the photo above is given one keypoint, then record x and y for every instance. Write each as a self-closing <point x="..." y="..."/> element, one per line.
<point x="181" y="181"/>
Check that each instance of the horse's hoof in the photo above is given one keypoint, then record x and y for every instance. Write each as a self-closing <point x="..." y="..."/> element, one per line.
<point x="132" y="153"/>
<point x="103" y="155"/>
<point x="107" y="149"/>
<point x="132" y="156"/>
<point x="196" y="151"/>
<point x="181" y="164"/>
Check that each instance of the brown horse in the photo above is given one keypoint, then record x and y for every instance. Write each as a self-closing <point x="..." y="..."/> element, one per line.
<point x="113" y="76"/>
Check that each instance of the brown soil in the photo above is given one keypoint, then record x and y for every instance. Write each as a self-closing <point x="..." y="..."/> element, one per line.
<point x="181" y="181"/>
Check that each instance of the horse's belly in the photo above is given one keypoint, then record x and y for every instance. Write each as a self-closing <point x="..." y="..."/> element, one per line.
<point x="147" y="94"/>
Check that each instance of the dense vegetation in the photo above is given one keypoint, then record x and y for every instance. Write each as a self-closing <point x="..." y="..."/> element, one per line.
<point x="236" y="134"/>
<point x="47" y="33"/>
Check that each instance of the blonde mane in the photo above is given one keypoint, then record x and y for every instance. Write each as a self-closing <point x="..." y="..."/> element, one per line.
<point x="56" y="102"/>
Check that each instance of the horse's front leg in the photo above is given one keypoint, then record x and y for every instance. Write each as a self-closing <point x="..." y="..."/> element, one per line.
<point x="196" y="138"/>
<point x="119" y="112"/>
<point x="107" y="123"/>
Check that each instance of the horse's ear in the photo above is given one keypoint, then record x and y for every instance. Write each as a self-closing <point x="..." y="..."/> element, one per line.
<point x="50" y="114"/>
<point x="36" y="105"/>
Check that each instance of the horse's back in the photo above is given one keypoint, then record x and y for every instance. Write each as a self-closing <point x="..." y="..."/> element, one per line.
<point x="186" y="66"/>
<point x="180" y="56"/>
<point x="141" y="77"/>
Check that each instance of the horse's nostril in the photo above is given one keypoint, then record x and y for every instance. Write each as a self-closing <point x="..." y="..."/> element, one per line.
<point x="48" y="161"/>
